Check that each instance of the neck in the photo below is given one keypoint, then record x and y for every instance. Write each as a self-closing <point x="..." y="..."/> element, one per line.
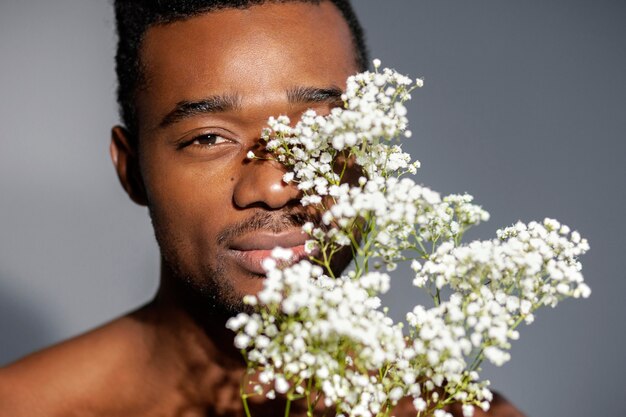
<point x="195" y="355"/>
<point x="195" y="322"/>
<point x="197" y="358"/>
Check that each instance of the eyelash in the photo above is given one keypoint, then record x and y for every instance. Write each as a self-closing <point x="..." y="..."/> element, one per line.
<point x="212" y="136"/>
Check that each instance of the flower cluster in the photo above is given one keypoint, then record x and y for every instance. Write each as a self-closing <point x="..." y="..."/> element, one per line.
<point x="373" y="116"/>
<point x="323" y="337"/>
<point x="527" y="266"/>
<point x="337" y="338"/>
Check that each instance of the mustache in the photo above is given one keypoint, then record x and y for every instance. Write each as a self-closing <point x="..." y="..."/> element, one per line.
<point x="274" y="222"/>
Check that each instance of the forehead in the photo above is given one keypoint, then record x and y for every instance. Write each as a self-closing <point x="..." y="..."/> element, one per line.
<point x="255" y="52"/>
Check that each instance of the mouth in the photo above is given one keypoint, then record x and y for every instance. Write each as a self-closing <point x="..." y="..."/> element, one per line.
<point x="250" y="250"/>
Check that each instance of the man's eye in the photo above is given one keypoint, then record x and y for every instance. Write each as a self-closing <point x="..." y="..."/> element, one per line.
<point x="207" y="140"/>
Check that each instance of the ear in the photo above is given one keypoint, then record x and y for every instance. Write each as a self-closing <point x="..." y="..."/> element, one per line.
<point x="125" y="159"/>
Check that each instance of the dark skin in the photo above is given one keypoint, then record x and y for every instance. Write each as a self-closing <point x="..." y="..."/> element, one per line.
<point x="174" y="356"/>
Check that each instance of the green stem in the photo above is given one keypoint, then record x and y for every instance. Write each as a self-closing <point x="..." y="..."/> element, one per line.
<point x="246" y="408"/>
<point x="424" y="251"/>
<point x="288" y="406"/>
<point x="437" y="298"/>
<point x="307" y="393"/>
<point x="345" y="165"/>
<point x="477" y="361"/>
<point x="243" y="384"/>
<point x="327" y="261"/>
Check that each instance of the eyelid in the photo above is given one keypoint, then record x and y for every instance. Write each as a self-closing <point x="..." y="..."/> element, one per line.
<point x="197" y="134"/>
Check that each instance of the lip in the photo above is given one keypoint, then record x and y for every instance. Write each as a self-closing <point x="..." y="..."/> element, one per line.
<point x="250" y="250"/>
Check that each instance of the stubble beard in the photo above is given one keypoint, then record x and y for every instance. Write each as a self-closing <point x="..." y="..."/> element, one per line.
<point x="210" y="290"/>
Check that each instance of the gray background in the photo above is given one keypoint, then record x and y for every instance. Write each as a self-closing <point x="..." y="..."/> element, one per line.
<point x="524" y="107"/>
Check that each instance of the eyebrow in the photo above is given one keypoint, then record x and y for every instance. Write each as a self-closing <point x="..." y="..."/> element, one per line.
<point x="213" y="104"/>
<point x="306" y="95"/>
<point x="228" y="102"/>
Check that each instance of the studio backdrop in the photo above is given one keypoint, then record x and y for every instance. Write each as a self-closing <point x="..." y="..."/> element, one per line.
<point x="524" y="107"/>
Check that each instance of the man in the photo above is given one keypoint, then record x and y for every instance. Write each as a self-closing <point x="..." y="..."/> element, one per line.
<point x="198" y="81"/>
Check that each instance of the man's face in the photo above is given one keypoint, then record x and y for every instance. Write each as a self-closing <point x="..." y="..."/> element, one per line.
<point x="212" y="82"/>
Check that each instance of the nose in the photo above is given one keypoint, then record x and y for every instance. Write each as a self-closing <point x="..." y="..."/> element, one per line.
<point x="261" y="184"/>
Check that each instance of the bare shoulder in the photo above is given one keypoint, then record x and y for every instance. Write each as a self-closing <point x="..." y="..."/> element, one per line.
<point x="67" y="378"/>
<point x="500" y="407"/>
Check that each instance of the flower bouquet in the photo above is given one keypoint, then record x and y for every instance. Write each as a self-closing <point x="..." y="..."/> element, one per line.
<point x="323" y="338"/>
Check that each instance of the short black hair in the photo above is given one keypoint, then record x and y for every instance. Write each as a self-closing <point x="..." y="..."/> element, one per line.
<point x="135" y="17"/>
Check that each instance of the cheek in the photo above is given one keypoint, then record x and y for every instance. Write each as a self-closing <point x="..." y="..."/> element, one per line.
<point x="189" y="203"/>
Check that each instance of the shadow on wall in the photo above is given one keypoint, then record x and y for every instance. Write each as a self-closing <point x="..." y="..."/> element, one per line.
<point x="23" y="328"/>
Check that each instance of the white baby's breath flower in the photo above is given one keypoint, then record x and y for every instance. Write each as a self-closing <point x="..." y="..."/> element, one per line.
<point x="468" y="410"/>
<point x="419" y="404"/>
<point x="288" y="177"/>
<point x="242" y="341"/>
<point x="282" y="253"/>
<point x="314" y="329"/>
<point x="281" y="385"/>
